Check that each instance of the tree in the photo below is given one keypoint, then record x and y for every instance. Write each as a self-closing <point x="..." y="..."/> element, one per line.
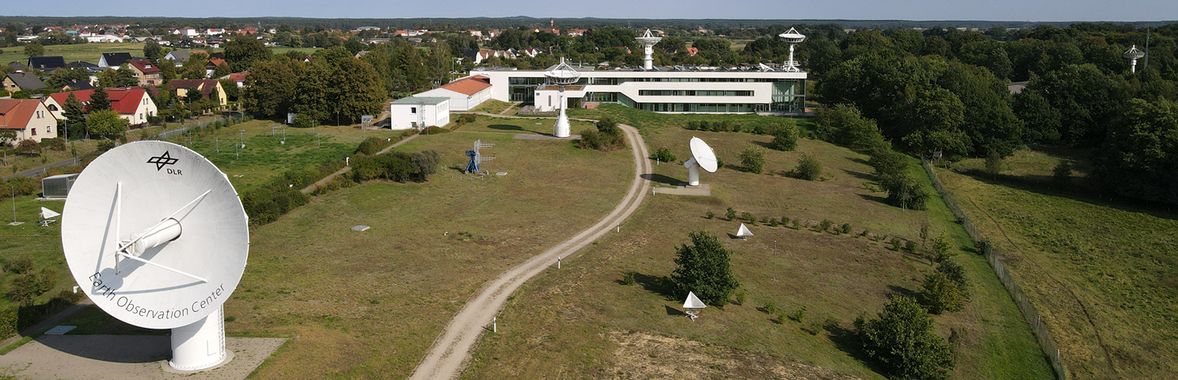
<point x="7" y="136"/>
<point x="63" y="76"/>
<point x="785" y="138"/>
<point x="75" y="119"/>
<point x="243" y="51"/>
<point x="99" y="100"/>
<point x="269" y="90"/>
<point x="808" y="168"/>
<point x="842" y="124"/>
<point x="934" y="117"/>
<point x="752" y="160"/>
<point x="1139" y="158"/>
<point x="34" y="50"/>
<point x="988" y="119"/>
<point x="956" y="274"/>
<point x="1041" y="121"/>
<point x="904" y="192"/>
<point x="939" y="294"/>
<point x="123" y="77"/>
<point x="902" y="340"/>
<point x="27" y="286"/>
<point x="152" y="50"/>
<point x="106" y="124"/>
<point x="704" y="268"/>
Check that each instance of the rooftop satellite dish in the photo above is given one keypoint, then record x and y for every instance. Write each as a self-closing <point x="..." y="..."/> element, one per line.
<point x="562" y="75"/>
<point x="691" y="304"/>
<point x="703" y="156"/>
<point x="743" y="231"/>
<point x="157" y="237"/>
<point x="792" y="37"/>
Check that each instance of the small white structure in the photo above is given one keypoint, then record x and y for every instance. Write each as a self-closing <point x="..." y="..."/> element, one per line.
<point x="702" y="156"/>
<point x="562" y="75"/>
<point x="648" y="40"/>
<point x="743" y="232"/>
<point x="692" y="305"/>
<point x="1133" y="54"/>
<point x="465" y="94"/>
<point x="419" y="112"/>
<point x="47" y="216"/>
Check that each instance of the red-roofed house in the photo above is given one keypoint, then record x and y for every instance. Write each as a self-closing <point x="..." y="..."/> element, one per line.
<point x="28" y="118"/>
<point x="147" y="72"/>
<point x="465" y="94"/>
<point x="132" y="103"/>
<point x="237" y="78"/>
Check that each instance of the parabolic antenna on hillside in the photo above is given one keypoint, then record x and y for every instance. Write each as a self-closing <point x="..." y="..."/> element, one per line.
<point x="156" y="236"/>
<point x="702" y="156"/>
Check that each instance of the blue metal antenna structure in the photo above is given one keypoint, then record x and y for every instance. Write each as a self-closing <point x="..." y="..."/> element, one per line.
<point x="476" y="157"/>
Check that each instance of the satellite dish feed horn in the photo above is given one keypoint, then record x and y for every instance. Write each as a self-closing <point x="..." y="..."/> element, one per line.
<point x="156" y="236"/>
<point x="702" y="156"/>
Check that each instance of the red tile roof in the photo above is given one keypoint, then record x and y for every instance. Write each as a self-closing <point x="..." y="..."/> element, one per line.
<point x="122" y="100"/>
<point x="145" y="66"/>
<point x="239" y="77"/>
<point x="16" y="113"/>
<point x="469" y="85"/>
<point x="216" y="61"/>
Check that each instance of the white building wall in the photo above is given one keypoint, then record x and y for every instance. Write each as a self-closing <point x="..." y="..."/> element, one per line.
<point x="458" y="100"/>
<point x="42" y="122"/>
<point x="404" y="116"/>
<point x="762" y="91"/>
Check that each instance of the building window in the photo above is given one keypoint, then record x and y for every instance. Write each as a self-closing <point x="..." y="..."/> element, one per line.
<point x="53" y="107"/>
<point x="34" y="131"/>
<point x="412" y="109"/>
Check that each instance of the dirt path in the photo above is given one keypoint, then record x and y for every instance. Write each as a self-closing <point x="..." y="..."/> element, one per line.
<point x="449" y="353"/>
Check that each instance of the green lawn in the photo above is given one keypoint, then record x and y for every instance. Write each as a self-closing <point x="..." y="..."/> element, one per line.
<point x="1101" y="275"/>
<point x="42" y="245"/>
<point x="583" y="321"/>
<point x="492" y="106"/>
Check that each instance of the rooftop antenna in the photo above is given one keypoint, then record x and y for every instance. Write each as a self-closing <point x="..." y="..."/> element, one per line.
<point x="562" y="75"/>
<point x="1133" y="55"/>
<point x="703" y="156"/>
<point x="793" y="38"/>
<point x="156" y="236"/>
<point x="476" y="157"/>
<point x="692" y="305"/>
<point x="648" y="40"/>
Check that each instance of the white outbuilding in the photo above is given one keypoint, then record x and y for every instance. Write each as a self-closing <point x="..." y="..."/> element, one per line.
<point x="418" y="112"/>
<point x="465" y="94"/>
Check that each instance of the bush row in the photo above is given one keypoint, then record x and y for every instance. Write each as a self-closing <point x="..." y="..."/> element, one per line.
<point x="607" y="136"/>
<point x="396" y="166"/>
<point x="730" y="126"/>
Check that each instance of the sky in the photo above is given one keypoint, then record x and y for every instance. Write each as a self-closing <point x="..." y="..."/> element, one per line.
<point x="989" y="10"/>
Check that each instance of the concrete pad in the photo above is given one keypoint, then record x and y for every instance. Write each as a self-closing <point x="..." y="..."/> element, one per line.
<point x="703" y="190"/>
<point x="536" y="136"/>
<point x="124" y="357"/>
<point x="60" y="330"/>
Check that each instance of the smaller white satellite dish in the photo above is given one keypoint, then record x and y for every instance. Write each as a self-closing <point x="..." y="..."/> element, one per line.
<point x="743" y="231"/>
<point x="692" y="304"/>
<point x="702" y="156"/>
<point x="47" y="216"/>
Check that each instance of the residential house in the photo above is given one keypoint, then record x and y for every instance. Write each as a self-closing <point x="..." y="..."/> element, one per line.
<point x="207" y="88"/>
<point x="147" y="72"/>
<point x="21" y="81"/>
<point x="90" y="67"/>
<point x="77" y="85"/>
<point x="465" y="94"/>
<point x="46" y="63"/>
<point x="485" y="54"/>
<point x="532" y="52"/>
<point x="180" y="56"/>
<point x="132" y="103"/>
<point x="237" y="78"/>
<point x="30" y="119"/>
<point x="113" y="60"/>
<point x="577" y="32"/>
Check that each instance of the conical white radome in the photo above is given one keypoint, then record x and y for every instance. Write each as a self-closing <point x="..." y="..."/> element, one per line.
<point x="693" y="302"/>
<point x="743" y="231"/>
<point x="47" y="213"/>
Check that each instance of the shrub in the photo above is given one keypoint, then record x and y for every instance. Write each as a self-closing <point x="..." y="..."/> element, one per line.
<point x="56" y="143"/>
<point x="939" y="294"/>
<point x="28" y="148"/>
<point x="844" y="125"/>
<point x="372" y="145"/>
<point x="461" y="120"/>
<point x="770" y="308"/>
<point x="942" y="250"/>
<point x="434" y="131"/>
<point x="905" y="192"/>
<point x="27" y="286"/>
<point x="1062" y="173"/>
<point x="955" y="273"/>
<point x="703" y="267"/>
<point x="748" y="217"/>
<point x="629" y="278"/>
<point x="739" y="296"/>
<point x="993" y="163"/>
<point x="785" y="138"/>
<point x="845" y="228"/>
<point x="19" y="265"/>
<point x="607" y="136"/>
<point x="106" y="124"/>
<point x="304" y="121"/>
<point x="799" y="315"/>
<point x="910" y="246"/>
<point x="888" y="163"/>
<point x="710" y="215"/>
<point x="901" y="339"/>
<point x="752" y="160"/>
<point x="663" y="155"/>
<point x="825" y="225"/>
<point x="20" y="186"/>
<point x="730" y="214"/>
<point x="808" y="168"/>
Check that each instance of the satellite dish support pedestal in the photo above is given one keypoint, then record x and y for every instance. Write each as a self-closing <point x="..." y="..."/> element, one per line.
<point x="201" y="345"/>
<point x="692" y="172"/>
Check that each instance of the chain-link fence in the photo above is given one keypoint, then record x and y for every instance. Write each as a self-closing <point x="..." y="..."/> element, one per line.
<point x="996" y="259"/>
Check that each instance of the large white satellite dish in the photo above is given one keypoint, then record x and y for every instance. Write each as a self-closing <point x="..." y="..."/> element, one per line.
<point x="157" y="237"/>
<point x="703" y="156"/>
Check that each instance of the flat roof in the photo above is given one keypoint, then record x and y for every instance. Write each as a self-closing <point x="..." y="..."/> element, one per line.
<point x="420" y="100"/>
<point x="758" y="68"/>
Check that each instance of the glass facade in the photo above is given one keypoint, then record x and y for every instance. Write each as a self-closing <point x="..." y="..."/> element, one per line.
<point x="788" y="95"/>
<point x="694" y="93"/>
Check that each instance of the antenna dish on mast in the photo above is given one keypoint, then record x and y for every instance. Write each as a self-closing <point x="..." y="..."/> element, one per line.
<point x="1133" y="54"/>
<point x="156" y="236"/>
<point x="793" y="38"/>
<point x="562" y="75"/>
<point x="702" y="156"/>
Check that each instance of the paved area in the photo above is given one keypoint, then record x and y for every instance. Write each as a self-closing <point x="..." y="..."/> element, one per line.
<point x="537" y="136"/>
<point x="450" y="352"/>
<point x="124" y="357"/>
<point x="702" y="190"/>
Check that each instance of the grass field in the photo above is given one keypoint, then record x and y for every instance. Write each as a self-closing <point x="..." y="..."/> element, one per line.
<point x="492" y="106"/>
<point x="369" y="304"/>
<point x="42" y="245"/>
<point x="582" y="321"/>
<point x="1101" y="275"/>
<point x="92" y="52"/>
